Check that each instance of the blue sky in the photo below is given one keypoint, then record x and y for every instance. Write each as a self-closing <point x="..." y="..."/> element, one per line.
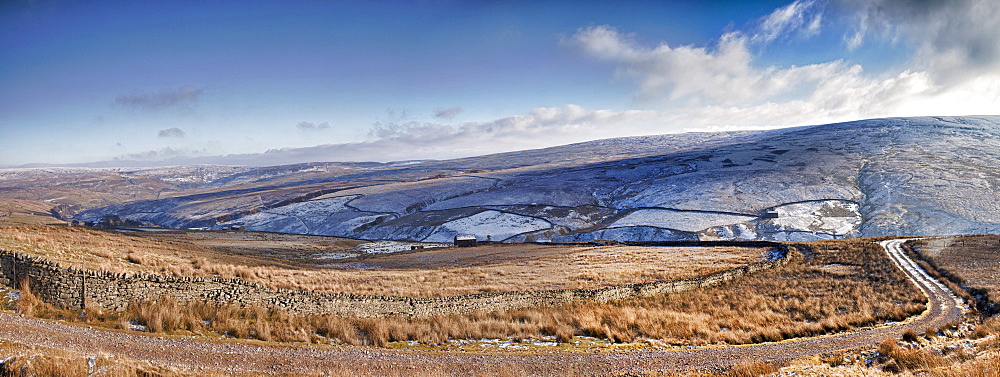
<point x="268" y="82"/>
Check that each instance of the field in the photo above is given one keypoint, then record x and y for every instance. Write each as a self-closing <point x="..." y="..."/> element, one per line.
<point x="292" y="250"/>
<point x="972" y="262"/>
<point x="827" y="287"/>
<point x="20" y="211"/>
<point x="288" y="261"/>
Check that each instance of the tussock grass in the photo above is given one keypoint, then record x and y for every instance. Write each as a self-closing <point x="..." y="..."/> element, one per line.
<point x="798" y="299"/>
<point x="753" y="369"/>
<point x="910" y="359"/>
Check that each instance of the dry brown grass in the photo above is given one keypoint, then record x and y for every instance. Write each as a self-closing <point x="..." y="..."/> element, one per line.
<point x="429" y="273"/>
<point x="293" y="249"/>
<point x="971" y="262"/>
<point x="968" y="261"/>
<point x="936" y="356"/>
<point x="799" y="299"/>
<point x="753" y="369"/>
<point x="30" y="212"/>
<point x="971" y="265"/>
<point x="21" y="360"/>
<point x="909" y="359"/>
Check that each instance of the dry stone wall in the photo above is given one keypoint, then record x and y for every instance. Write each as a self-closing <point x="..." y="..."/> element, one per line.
<point x="76" y="288"/>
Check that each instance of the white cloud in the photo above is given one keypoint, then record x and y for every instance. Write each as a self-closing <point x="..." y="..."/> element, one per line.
<point x="801" y="18"/>
<point x="724" y="75"/>
<point x="161" y="154"/>
<point x="956" y="56"/>
<point x="540" y="127"/>
<point x="535" y="129"/>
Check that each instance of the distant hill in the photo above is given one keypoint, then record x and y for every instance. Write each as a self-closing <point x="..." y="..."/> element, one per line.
<point x="910" y="176"/>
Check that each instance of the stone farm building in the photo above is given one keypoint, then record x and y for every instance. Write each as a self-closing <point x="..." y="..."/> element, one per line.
<point x="465" y="240"/>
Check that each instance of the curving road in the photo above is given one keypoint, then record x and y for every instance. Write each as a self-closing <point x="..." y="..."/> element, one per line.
<point x="198" y="354"/>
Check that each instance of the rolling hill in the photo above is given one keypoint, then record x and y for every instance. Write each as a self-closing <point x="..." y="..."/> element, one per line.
<point x="908" y="176"/>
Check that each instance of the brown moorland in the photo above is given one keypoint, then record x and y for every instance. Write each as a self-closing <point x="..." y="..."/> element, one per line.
<point x="969" y="265"/>
<point x="33" y="212"/>
<point x="945" y="353"/>
<point x="428" y="273"/>
<point x="827" y="286"/>
<point x="972" y="262"/>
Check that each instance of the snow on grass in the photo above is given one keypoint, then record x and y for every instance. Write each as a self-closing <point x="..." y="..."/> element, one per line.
<point x="497" y="225"/>
<point x="829" y="216"/>
<point x="395" y="247"/>
<point x="267" y="222"/>
<point x="632" y="233"/>
<point x="743" y="231"/>
<point x="315" y="207"/>
<point x="679" y="220"/>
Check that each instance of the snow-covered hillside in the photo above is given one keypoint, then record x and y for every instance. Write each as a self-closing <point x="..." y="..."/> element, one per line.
<point x="865" y="178"/>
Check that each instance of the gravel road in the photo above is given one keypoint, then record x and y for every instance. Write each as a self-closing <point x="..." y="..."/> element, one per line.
<point x="235" y="357"/>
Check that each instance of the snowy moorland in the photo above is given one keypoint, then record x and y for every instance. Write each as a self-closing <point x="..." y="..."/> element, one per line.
<point x="907" y="176"/>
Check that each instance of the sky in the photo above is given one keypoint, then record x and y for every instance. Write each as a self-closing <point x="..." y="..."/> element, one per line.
<point x="253" y="82"/>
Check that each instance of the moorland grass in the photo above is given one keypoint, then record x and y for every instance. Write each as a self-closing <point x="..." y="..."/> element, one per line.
<point x="801" y="298"/>
<point x="494" y="268"/>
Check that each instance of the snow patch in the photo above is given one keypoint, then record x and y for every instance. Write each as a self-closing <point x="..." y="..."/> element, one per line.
<point x="836" y="217"/>
<point x="679" y="220"/>
<point x="498" y="225"/>
<point x="395" y="247"/>
<point x="632" y="233"/>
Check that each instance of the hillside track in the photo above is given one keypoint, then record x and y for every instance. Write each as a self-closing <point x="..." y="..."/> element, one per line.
<point x="236" y="357"/>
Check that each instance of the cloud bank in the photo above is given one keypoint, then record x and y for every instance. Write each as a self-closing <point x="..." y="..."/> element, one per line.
<point x="955" y="41"/>
<point x="956" y="53"/>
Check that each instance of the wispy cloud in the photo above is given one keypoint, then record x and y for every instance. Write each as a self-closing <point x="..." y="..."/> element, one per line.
<point x="171" y="133"/>
<point x="537" y="128"/>
<point x="309" y="126"/>
<point x="186" y="95"/>
<point x="447" y="113"/>
<point x="800" y="18"/>
<point x="399" y="140"/>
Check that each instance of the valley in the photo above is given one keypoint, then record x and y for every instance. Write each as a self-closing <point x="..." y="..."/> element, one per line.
<point x="228" y="357"/>
<point x="739" y="253"/>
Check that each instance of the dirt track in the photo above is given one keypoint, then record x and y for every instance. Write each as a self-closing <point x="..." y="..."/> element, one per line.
<point x="193" y="353"/>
